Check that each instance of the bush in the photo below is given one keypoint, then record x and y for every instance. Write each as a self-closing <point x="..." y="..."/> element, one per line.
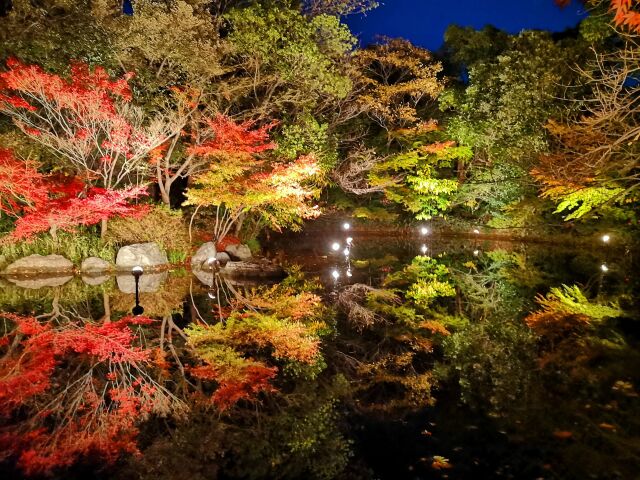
<point x="74" y="246"/>
<point x="160" y="225"/>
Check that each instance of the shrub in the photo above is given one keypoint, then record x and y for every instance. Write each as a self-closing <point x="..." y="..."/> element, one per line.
<point x="161" y="225"/>
<point x="74" y="246"/>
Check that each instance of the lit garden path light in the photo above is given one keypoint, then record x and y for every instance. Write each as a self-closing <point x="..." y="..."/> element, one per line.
<point x="335" y="274"/>
<point x="606" y="239"/>
<point x="425" y="235"/>
<point x="476" y="249"/>
<point x="604" y="264"/>
<point x="337" y="247"/>
<point x="137" y="272"/>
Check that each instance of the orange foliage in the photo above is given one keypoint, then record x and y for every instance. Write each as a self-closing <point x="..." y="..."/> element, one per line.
<point x="226" y="241"/>
<point x="236" y="382"/>
<point x="551" y="323"/>
<point x="626" y="14"/>
<point x="255" y="379"/>
<point x="435" y="327"/>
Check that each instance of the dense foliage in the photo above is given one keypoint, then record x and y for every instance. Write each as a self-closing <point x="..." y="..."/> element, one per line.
<point x="193" y="120"/>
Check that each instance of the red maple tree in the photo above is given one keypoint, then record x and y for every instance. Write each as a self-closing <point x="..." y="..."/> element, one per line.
<point x="86" y="120"/>
<point x="22" y="187"/>
<point x="74" y="208"/>
<point x="69" y="413"/>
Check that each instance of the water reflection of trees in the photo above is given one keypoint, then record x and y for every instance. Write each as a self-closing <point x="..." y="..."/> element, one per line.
<point x="78" y="387"/>
<point x="260" y="380"/>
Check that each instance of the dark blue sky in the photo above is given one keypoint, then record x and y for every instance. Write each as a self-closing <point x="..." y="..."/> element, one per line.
<point x="423" y="22"/>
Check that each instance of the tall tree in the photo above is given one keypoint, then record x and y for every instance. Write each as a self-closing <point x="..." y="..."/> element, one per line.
<point x="397" y="78"/>
<point x="237" y="182"/>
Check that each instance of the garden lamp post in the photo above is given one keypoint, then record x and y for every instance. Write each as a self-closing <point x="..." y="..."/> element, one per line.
<point x="137" y="272"/>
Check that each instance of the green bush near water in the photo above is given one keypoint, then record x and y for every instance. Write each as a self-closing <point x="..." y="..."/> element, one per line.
<point x="74" y="246"/>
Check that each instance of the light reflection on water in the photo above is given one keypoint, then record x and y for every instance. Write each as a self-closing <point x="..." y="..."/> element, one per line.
<point x="443" y="428"/>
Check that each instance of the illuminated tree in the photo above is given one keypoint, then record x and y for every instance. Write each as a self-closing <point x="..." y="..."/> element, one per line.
<point x="86" y="120"/>
<point x="284" y="62"/>
<point x="70" y="211"/>
<point x="421" y="176"/>
<point x="396" y="78"/>
<point x="22" y="187"/>
<point x="166" y="42"/>
<point x="237" y="182"/>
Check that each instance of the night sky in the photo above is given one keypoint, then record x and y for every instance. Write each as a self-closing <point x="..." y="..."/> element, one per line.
<point x="424" y="22"/>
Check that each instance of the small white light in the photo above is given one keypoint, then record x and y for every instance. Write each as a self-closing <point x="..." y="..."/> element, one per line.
<point x="604" y="267"/>
<point x="424" y="230"/>
<point x="137" y="270"/>
<point x="476" y="231"/>
<point x="476" y="252"/>
<point x="424" y="249"/>
<point x="346" y="225"/>
<point x="211" y="295"/>
<point x="335" y="246"/>
<point x="349" y="240"/>
<point x="349" y="272"/>
<point x="606" y="238"/>
<point x="335" y="274"/>
<point x="346" y="252"/>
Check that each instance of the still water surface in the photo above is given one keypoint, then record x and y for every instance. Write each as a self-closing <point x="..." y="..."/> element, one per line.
<point x="411" y="356"/>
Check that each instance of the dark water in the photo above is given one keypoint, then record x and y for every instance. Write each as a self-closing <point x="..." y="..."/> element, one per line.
<point x="436" y="370"/>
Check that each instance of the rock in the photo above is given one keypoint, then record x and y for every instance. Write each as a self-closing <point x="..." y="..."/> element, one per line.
<point x="95" y="265"/>
<point x="252" y="270"/>
<point x="40" y="282"/>
<point x="149" y="282"/>
<point x="239" y="252"/>
<point x="204" y="253"/>
<point x="223" y="257"/>
<point x="39" y="263"/>
<point x="95" y="280"/>
<point x="205" y="276"/>
<point x="249" y="273"/>
<point x="143" y="254"/>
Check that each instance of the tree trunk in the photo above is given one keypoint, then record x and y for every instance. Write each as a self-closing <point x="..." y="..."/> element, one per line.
<point x="165" y="190"/>
<point x="462" y="171"/>
<point x="53" y="231"/>
<point x="103" y="228"/>
<point x="107" y="307"/>
<point x="239" y="223"/>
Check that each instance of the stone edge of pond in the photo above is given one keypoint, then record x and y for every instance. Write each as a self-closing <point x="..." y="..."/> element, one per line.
<point x="240" y="269"/>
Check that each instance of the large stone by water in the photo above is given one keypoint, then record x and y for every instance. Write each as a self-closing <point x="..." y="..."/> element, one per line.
<point x="40" y="264"/>
<point x="255" y="272"/>
<point x="94" y="265"/>
<point x="205" y="252"/>
<point x="34" y="283"/>
<point x="205" y="276"/>
<point x="149" y="282"/>
<point x="95" y="280"/>
<point x="262" y="269"/>
<point x="223" y="257"/>
<point x="239" y="252"/>
<point x="144" y="254"/>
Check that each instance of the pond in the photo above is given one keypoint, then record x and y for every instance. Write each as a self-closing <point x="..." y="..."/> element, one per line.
<point x="383" y="355"/>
